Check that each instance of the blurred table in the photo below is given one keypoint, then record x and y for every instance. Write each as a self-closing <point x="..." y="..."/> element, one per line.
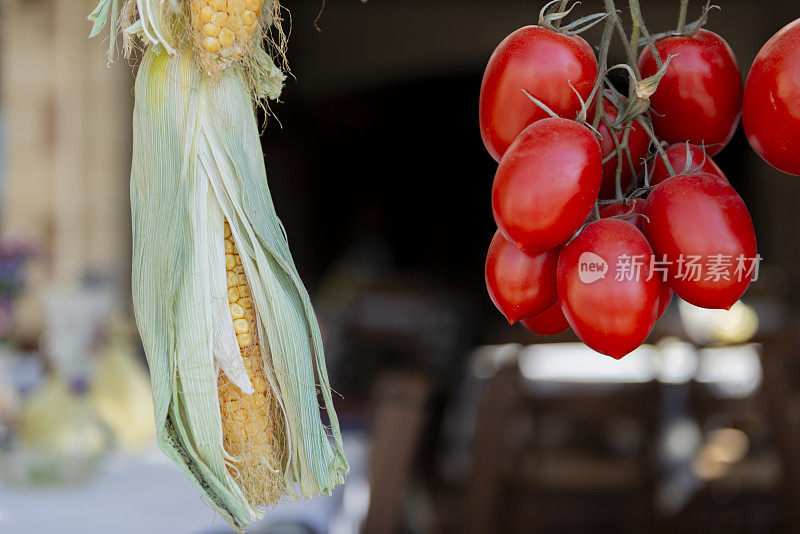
<point x="148" y="494"/>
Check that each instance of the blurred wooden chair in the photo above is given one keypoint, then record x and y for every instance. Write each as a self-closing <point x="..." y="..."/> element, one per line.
<point x="498" y="410"/>
<point x="762" y="489"/>
<point x="781" y="397"/>
<point x="399" y="416"/>
<point x="518" y="483"/>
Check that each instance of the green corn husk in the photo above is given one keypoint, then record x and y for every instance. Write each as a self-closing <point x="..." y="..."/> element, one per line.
<point x="197" y="162"/>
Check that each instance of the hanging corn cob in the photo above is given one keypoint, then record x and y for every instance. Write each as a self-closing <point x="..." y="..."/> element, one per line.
<point x="233" y="345"/>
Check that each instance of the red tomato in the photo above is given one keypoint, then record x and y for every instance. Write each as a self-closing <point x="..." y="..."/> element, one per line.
<point x="638" y="144"/>
<point x="543" y="63"/>
<point x="677" y="157"/>
<point x="664" y="298"/>
<point x="701" y="227"/>
<point x="625" y="207"/>
<point x="547" y="183"/>
<point x="628" y="207"/>
<point x="520" y="283"/>
<point x="605" y="289"/>
<point x="699" y="99"/>
<point x="548" y="323"/>
<point x="771" y="106"/>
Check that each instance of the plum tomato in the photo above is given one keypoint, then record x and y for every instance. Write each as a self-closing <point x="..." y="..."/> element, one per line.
<point x="606" y="291"/>
<point x="703" y="238"/>
<point x="627" y="207"/>
<point x="548" y="323"/>
<point x="547" y="183"/>
<point x="638" y="144"/>
<point x="543" y="63"/>
<point x="699" y="99"/>
<point x="520" y="283"/>
<point x="664" y="298"/>
<point x="771" y="105"/>
<point x="676" y="154"/>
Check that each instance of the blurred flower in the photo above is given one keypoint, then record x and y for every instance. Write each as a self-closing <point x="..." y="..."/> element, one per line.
<point x="14" y="255"/>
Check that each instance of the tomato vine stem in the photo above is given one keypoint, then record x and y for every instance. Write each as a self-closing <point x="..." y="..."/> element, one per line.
<point x="625" y="138"/>
<point x="562" y="5"/>
<point x="630" y="51"/>
<point x="639" y="36"/>
<point x="620" y="147"/>
<point x="682" y="15"/>
<point x="656" y="141"/>
<point x="605" y="44"/>
<point x="636" y="15"/>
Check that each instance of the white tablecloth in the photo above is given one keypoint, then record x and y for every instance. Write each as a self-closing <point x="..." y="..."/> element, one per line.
<point x="146" y="494"/>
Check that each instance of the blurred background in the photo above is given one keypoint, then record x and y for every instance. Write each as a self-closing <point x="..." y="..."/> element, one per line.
<point x="453" y="420"/>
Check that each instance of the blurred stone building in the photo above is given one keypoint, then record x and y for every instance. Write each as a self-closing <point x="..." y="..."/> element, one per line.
<point x="66" y="146"/>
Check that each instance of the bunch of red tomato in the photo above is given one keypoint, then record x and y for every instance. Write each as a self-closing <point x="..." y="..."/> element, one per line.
<point x="578" y="247"/>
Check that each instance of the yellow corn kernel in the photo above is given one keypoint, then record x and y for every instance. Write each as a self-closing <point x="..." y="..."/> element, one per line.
<point x="207" y="13"/>
<point x="211" y="30"/>
<point x="259" y="384"/>
<point x="233" y="294"/>
<point x="211" y="44"/>
<point x="251" y="424"/>
<point x="237" y="311"/>
<point x="226" y="37"/>
<point x="228" y="397"/>
<point x="244" y="339"/>
<point x="219" y="18"/>
<point x="240" y="326"/>
<point x="232" y="278"/>
<point x="233" y="24"/>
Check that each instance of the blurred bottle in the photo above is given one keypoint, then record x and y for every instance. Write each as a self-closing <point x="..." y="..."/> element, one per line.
<point x="120" y="390"/>
<point x="59" y="438"/>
